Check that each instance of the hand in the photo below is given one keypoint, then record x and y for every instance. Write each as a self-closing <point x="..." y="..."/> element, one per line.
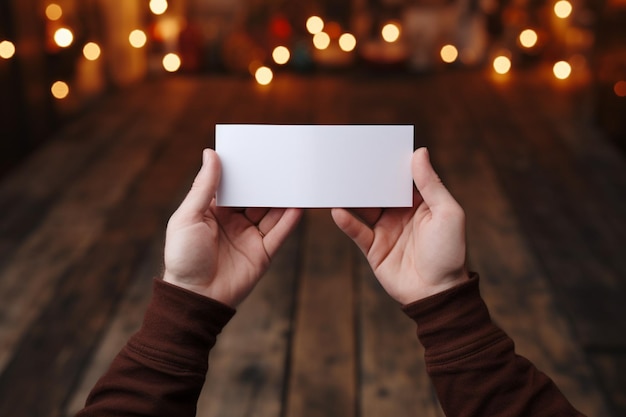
<point x="414" y="252"/>
<point x="221" y="252"/>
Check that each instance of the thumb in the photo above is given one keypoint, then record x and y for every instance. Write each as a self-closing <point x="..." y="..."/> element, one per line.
<point x="428" y="183"/>
<point x="204" y="186"/>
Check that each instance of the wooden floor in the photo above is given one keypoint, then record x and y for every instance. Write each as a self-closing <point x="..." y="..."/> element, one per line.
<point x="82" y="221"/>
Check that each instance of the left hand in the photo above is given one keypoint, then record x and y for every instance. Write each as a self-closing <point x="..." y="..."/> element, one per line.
<point x="221" y="252"/>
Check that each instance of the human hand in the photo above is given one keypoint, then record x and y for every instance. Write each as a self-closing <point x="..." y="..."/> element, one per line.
<point x="414" y="252"/>
<point x="221" y="252"/>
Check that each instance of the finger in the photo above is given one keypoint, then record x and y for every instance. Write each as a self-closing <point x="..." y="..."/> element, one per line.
<point x="354" y="228"/>
<point x="202" y="191"/>
<point x="428" y="183"/>
<point x="255" y="214"/>
<point x="285" y="220"/>
<point x="368" y="216"/>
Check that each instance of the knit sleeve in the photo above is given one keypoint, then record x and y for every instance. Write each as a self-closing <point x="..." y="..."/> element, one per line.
<point x="161" y="370"/>
<point x="472" y="362"/>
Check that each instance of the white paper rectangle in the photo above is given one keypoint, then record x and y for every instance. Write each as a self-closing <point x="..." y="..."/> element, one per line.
<point x="315" y="165"/>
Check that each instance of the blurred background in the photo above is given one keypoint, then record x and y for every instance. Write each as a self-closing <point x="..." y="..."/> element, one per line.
<point x="105" y="106"/>
<point x="57" y="57"/>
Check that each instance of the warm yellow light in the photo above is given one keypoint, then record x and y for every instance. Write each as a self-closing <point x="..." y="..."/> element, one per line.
<point x="314" y="24"/>
<point x="321" y="40"/>
<point x="528" y="38"/>
<point x="562" y="70"/>
<point x="158" y="7"/>
<point x="449" y="54"/>
<point x="54" y="12"/>
<point x="91" y="51"/>
<point x="7" y="49"/>
<point x="390" y="32"/>
<point x="171" y="62"/>
<point x="281" y="55"/>
<point x="562" y="8"/>
<point x="60" y="90"/>
<point x="347" y="42"/>
<point x="263" y="75"/>
<point x="137" y="38"/>
<point x="63" y="37"/>
<point x="620" y="88"/>
<point x="502" y="64"/>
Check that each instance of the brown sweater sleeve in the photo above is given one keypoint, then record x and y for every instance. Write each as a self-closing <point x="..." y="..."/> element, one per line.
<point x="472" y="363"/>
<point x="161" y="370"/>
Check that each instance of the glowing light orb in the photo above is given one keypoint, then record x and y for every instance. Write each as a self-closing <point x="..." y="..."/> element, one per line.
<point x="314" y="24"/>
<point x="263" y="75"/>
<point x="158" y="7"/>
<point x="281" y="55"/>
<point x="449" y="54"/>
<point x="502" y="64"/>
<point x="562" y="8"/>
<point x="91" y="51"/>
<point x="620" y="88"/>
<point x="7" y="49"/>
<point x="321" y="40"/>
<point x="171" y="62"/>
<point x="54" y="12"/>
<point x="63" y="37"/>
<point x="390" y="32"/>
<point x="562" y="70"/>
<point x="60" y="90"/>
<point x="528" y="38"/>
<point x="347" y="42"/>
<point x="137" y="38"/>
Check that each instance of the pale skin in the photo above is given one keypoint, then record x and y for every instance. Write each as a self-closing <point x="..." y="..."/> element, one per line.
<point x="222" y="253"/>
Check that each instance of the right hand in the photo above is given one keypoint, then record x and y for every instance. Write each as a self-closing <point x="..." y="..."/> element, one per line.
<point x="414" y="252"/>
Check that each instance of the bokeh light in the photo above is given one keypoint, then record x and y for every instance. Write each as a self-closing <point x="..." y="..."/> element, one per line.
<point x="502" y="64"/>
<point x="137" y="38"/>
<point x="7" y="49"/>
<point x="158" y="7"/>
<point x="281" y="55"/>
<point x="391" y="32"/>
<point x="263" y="75"/>
<point x="347" y="42"/>
<point x="528" y="38"/>
<point x="91" y="51"/>
<point x="314" y="24"/>
<point x="171" y="62"/>
<point x="620" y="88"/>
<point x="449" y="53"/>
<point x="54" y="12"/>
<point x="321" y="40"/>
<point x="562" y="70"/>
<point x="63" y="37"/>
<point x="562" y="8"/>
<point x="60" y="90"/>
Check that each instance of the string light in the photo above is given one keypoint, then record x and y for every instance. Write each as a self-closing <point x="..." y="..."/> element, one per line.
<point x="347" y="42"/>
<point x="137" y="38"/>
<point x="54" y="12"/>
<point x="390" y="32"/>
<point x="158" y="7"/>
<point x="562" y="8"/>
<point x="63" y="37"/>
<point x="7" y="49"/>
<point x="562" y="70"/>
<point x="449" y="54"/>
<point x="528" y="38"/>
<point x="281" y="55"/>
<point x="314" y="24"/>
<point x="171" y="62"/>
<point x="91" y="51"/>
<point x="502" y="64"/>
<point x="263" y="75"/>
<point x="60" y="90"/>
<point x="321" y="40"/>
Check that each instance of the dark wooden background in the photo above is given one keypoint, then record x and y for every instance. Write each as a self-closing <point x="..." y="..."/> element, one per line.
<point x="82" y="221"/>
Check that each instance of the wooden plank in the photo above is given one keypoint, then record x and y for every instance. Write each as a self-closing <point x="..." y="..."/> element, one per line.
<point x="322" y="366"/>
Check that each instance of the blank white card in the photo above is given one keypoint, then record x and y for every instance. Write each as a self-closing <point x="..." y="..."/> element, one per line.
<point x="315" y="165"/>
